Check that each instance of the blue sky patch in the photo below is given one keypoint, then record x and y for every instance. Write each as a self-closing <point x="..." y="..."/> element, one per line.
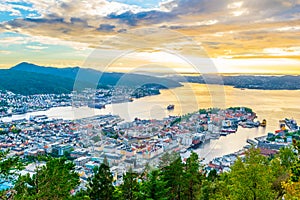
<point x="141" y="3"/>
<point x="22" y="10"/>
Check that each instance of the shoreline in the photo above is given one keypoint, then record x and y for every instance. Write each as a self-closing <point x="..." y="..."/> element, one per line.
<point x="134" y="99"/>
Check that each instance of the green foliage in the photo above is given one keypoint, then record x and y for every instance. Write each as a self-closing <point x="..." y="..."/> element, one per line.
<point x="279" y="174"/>
<point x="81" y="195"/>
<point x="173" y="175"/>
<point x="111" y="134"/>
<point x="37" y="158"/>
<point x="212" y="175"/>
<point x="216" y="188"/>
<point x="130" y="188"/>
<point x="154" y="187"/>
<point x="287" y="157"/>
<point x="296" y="145"/>
<point x="67" y="154"/>
<point x="55" y="180"/>
<point x="8" y="165"/>
<point x="167" y="158"/>
<point x="16" y="131"/>
<point x="252" y="177"/>
<point x="295" y="175"/>
<point x="3" y="132"/>
<point x="192" y="177"/>
<point x="100" y="185"/>
<point x="175" y="121"/>
<point x="203" y="111"/>
<point x="33" y="83"/>
<point x="96" y="138"/>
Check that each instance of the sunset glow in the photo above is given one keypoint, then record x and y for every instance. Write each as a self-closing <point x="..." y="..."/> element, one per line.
<point x="248" y="36"/>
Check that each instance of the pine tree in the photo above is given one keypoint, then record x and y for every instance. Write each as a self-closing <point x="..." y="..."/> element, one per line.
<point x="51" y="182"/>
<point x="173" y="176"/>
<point x="130" y="188"/>
<point x="212" y="175"/>
<point x="100" y="185"/>
<point x="167" y="159"/>
<point x="192" y="177"/>
<point x="154" y="187"/>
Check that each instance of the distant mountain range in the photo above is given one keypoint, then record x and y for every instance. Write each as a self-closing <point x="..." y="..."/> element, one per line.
<point x="27" y="78"/>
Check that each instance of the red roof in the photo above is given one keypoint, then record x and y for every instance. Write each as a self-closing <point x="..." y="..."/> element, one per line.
<point x="267" y="152"/>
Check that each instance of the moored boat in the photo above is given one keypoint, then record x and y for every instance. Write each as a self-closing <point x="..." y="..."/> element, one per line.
<point x="228" y="130"/>
<point x="170" y="107"/>
<point x="223" y="133"/>
<point x="263" y="123"/>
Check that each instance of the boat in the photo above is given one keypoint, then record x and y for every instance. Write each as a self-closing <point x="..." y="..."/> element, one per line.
<point x="263" y="123"/>
<point x="228" y="130"/>
<point x="223" y="133"/>
<point x="170" y="107"/>
<point x="96" y="105"/>
<point x="252" y="142"/>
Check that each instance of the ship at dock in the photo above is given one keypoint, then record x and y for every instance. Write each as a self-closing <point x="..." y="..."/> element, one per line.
<point x="228" y="127"/>
<point x="197" y="140"/>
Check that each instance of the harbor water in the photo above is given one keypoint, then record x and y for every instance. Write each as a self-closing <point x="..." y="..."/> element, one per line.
<point x="272" y="105"/>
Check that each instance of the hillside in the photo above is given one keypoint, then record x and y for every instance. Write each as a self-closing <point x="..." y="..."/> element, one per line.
<point x="26" y="78"/>
<point x="27" y="83"/>
<point x="286" y="82"/>
<point x="92" y="76"/>
<point x="69" y="72"/>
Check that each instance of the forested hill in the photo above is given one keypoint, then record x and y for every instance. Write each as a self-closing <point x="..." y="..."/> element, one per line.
<point x="27" y="83"/>
<point x="26" y="78"/>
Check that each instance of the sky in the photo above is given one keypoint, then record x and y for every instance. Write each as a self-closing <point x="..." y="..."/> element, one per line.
<point x="164" y="36"/>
